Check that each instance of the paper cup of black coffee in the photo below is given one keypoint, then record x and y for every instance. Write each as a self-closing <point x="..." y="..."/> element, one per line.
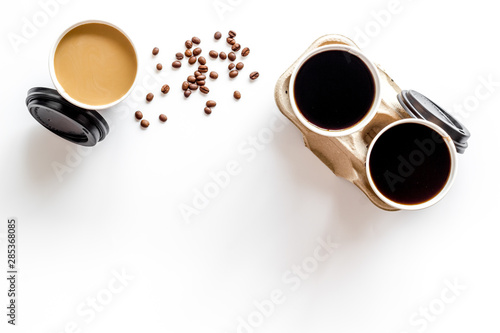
<point x="335" y="90"/>
<point x="411" y="164"/>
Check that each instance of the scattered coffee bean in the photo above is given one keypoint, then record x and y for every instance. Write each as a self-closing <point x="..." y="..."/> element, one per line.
<point x="159" y="67"/>
<point x="237" y="94"/>
<point x="230" y="41"/>
<point x="144" y="123"/>
<point x="156" y="50"/>
<point x="185" y="85"/>
<point x="138" y="115"/>
<point x="149" y="97"/>
<point x="233" y="74"/>
<point x="223" y="55"/>
<point x="189" y="44"/>
<point x="217" y="35"/>
<point x="231" y="33"/>
<point x="231" y="66"/>
<point x="193" y="86"/>
<point x="202" y="60"/>
<point x="208" y="110"/>
<point x="200" y="83"/>
<point x="201" y="77"/>
<point x="196" y="40"/>
<point x="239" y="66"/>
<point x="192" y="60"/>
<point x="254" y="75"/>
<point x="163" y="117"/>
<point x="213" y="54"/>
<point x="245" y="52"/>
<point x="211" y="104"/>
<point x="187" y="93"/>
<point x="197" y="73"/>
<point x="214" y="75"/>
<point x="236" y="47"/>
<point x="203" y="68"/>
<point x="191" y="79"/>
<point x="179" y="56"/>
<point x="176" y="64"/>
<point x="196" y="51"/>
<point x="204" y="90"/>
<point x="232" y="56"/>
<point x="188" y="53"/>
<point x="165" y="88"/>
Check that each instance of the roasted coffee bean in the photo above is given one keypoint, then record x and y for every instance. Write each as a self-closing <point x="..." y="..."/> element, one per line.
<point x="239" y="66"/>
<point x="230" y="41"/>
<point x="197" y="51"/>
<point x="197" y="73"/>
<point x="193" y="86"/>
<point x="165" y="88"/>
<point x="192" y="60"/>
<point x="245" y="52"/>
<point x="217" y="35"/>
<point x="232" y="56"/>
<point x="254" y="75"/>
<point x="187" y="93"/>
<point x="200" y="77"/>
<point x="203" y="68"/>
<point x="156" y="50"/>
<point x="185" y="85"/>
<point x="223" y="55"/>
<point x="202" y="60"/>
<point x="233" y="74"/>
<point x="214" y="75"/>
<point x="237" y="94"/>
<point x="189" y="44"/>
<point x="149" y="97"/>
<point x="191" y="79"/>
<point x="138" y="115"/>
<point x="211" y="104"/>
<point x="188" y="53"/>
<point x="213" y="54"/>
<point x="231" y="66"/>
<point x="144" y="123"/>
<point x="179" y="56"/>
<point x="176" y="64"/>
<point x="200" y="83"/>
<point x="204" y="89"/>
<point x="196" y="40"/>
<point x="231" y="33"/>
<point x="159" y="67"/>
<point x="163" y="117"/>
<point x="236" y="47"/>
<point x="208" y="110"/>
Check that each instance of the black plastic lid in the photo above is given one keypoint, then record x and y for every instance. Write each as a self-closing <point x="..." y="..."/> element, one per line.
<point x="419" y="106"/>
<point x="80" y="126"/>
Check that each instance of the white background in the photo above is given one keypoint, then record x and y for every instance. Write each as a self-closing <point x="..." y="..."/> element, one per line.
<point x="118" y="210"/>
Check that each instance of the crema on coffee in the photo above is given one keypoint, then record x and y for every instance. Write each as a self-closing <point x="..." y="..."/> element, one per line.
<point x="95" y="64"/>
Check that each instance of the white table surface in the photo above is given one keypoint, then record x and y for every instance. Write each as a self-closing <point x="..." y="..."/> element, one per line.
<point x="117" y="213"/>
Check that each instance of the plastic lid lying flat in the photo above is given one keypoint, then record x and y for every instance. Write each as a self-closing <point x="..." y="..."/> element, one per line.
<point x="80" y="126"/>
<point x="419" y="106"/>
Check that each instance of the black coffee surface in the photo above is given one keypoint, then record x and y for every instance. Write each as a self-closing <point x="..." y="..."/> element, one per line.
<point x="410" y="163"/>
<point x="334" y="90"/>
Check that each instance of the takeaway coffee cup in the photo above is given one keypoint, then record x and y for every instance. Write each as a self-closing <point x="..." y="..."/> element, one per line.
<point x="411" y="164"/>
<point x="335" y="90"/>
<point x="93" y="66"/>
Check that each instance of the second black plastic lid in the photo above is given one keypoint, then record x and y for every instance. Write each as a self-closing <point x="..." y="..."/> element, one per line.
<point x="80" y="126"/>
<point x="419" y="106"/>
